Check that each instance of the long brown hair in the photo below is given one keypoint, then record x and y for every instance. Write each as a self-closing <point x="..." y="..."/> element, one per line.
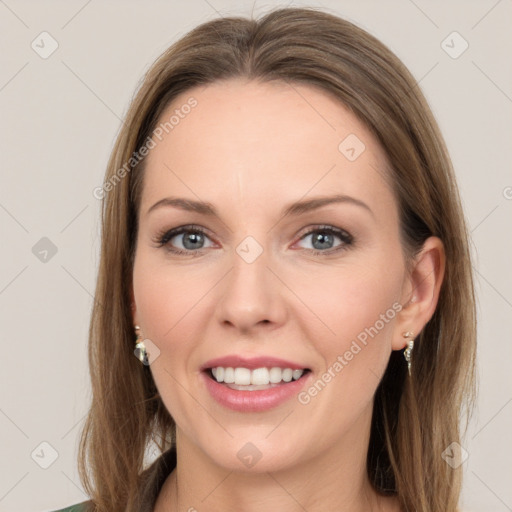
<point x="415" y="419"/>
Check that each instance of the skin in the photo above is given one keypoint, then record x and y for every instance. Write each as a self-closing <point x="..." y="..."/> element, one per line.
<point x="250" y="149"/>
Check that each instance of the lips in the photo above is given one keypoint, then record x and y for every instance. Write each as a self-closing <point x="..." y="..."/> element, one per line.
<point x="251" y="363"/>
<point x="253" y="384"/>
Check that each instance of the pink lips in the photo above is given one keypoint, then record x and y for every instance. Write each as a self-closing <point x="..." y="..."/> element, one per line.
<point x="252" y="401"/>
<point x="235" y="361"/>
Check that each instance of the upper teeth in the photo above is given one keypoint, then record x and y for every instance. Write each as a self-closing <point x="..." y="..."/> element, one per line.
<point x="258" y="376"/>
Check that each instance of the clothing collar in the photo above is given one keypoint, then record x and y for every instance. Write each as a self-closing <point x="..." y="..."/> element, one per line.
<point x="153" y="478"/>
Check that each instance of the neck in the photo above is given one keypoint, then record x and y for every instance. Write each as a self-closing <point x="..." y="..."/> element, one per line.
<point x="335" y="479"/>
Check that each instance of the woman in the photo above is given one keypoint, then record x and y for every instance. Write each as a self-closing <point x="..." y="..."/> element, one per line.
<point x="284" y="241"/>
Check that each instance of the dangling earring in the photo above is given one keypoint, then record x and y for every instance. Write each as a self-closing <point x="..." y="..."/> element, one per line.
<point x="140" y="349"/>
<point x="408" y="350"/>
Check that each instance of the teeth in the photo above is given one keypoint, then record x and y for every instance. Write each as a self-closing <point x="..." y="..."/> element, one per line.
<point x="297" y="374"/>
<point x="287" y="374"/>
<point x="275" y="375"/>
<point x="260" y="376"/>
<point x="229" y="375"/>
<point x="256" y="377"/>
<point x="242" y="377"/>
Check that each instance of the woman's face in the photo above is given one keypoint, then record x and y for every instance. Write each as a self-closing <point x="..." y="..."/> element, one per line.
<point x="275" y="280"/>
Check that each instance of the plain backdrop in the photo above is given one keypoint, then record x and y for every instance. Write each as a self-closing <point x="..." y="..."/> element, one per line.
<point x="60" y="114"/>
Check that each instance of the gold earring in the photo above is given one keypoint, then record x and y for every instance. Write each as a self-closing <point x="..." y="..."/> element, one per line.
<point x="408" y="350"/>
<point x="140" y="349"/>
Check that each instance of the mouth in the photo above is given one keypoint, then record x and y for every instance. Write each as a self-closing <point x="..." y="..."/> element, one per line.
<point x="256" y="379"/>
<point x="253" y="384"/>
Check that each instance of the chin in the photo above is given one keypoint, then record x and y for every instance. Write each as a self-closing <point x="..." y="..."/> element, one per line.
<point x="254" y="454"/>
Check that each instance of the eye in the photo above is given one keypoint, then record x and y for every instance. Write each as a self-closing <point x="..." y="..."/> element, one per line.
<point x="323" y="239"/>
<point x="191" y="238"/>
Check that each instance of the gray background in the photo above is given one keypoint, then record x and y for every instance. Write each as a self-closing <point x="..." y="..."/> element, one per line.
<point x="59" y="119"/>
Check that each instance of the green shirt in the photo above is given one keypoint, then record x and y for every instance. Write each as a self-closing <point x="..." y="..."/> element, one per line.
<point x="151" y="480"/>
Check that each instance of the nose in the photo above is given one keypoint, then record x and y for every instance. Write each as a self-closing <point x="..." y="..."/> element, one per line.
<point x="251" y="297"/>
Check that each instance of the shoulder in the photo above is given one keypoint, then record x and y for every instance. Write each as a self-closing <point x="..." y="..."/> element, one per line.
<point x="85" y="506"/>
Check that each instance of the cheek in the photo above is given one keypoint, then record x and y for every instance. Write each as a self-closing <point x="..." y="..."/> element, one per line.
<point x="163" y="302"/>
<point x="357" y="308"/>
<point x="167" y="297"/>
<point x="171" y="305"/>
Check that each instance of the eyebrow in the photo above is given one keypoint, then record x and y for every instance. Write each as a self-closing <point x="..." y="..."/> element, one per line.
<point x="294" y="209"/>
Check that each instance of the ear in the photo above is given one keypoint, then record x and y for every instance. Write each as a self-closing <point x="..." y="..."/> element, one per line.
<point x="420" y="292"/>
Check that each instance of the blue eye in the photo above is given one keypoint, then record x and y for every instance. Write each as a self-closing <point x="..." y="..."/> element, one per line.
<point x="193" y="240"/>
<point x="324" y="237"/>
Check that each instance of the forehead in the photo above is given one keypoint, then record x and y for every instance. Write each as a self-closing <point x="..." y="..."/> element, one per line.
<point x="244" y="138"/>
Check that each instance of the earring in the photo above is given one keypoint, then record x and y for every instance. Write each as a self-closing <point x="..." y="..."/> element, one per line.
<point x="408" y="350"/>
<point x="140" y="349"/>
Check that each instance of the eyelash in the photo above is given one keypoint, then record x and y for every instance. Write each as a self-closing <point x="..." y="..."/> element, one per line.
<point x="163" y="238"/>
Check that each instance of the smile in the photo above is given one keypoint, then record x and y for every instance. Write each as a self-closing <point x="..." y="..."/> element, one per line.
<point x="254" y="384"/>
<point x="259" y="378"/>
